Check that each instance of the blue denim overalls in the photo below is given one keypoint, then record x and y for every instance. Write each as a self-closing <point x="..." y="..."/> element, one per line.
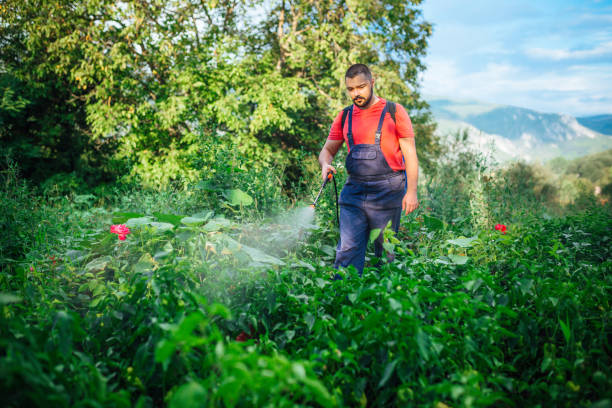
<point x="370" y="198"/>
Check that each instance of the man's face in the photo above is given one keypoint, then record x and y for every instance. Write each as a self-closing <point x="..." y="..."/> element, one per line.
<point x="359" y="89"/>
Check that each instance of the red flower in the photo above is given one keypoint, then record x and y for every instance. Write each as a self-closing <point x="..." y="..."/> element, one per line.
<point x="242" y="337"/>
<point x="501" y="227"/>
<point x="121" y="230"/>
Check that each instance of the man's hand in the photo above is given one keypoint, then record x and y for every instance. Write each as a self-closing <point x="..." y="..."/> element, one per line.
<point x="410" y="202"/>
<point x="327" y="155"/>
<point x="326" y="169"/>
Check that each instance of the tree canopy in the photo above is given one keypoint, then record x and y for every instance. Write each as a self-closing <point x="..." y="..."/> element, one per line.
<point x="137" y="88"/>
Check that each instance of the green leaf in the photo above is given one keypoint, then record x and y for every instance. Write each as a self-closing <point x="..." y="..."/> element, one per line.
<point x="422" y="340"/>
<point x="217" y="309"/>
<point x="237" y="197"/>
<point x="387" y="372"/>
<point x="260" y="256"/>
<point x="122" y="217"/>
<point x="166" y="250"/>
<point x="84" y="198"/>
<point x="309" y="319"/>
<point x="320" y="392"/>
<point x="395" y="305"/>
<point x="321" y="283"/>
<point x="463" y="242"/>
<point x="433" y="223"/>
<point x="473" y="285"/>
<point x="207" y="186"/>
<point x="193" y="221"/>
<point x="163" y="351"/>
<point x="98" y="264"/>
<point x="6" y="298"/>
<point x="191" y="394"/>
<point x="162" y="226"/>
<point x="171" y="218"/>
<point x="299" y="370"/>
<point x="217" y="224"/>
<point x="565" y="328"/>
<point x="146" y="263"/>
<point x="139" y="222"/>
<point x="374" y="234"/>
<point x="458" y="259"/>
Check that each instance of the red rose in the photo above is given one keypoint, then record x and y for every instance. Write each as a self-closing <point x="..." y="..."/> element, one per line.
<point x="121" y="230"/>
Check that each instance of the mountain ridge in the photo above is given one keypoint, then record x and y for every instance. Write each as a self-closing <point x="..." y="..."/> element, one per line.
<point x="518" y="133"/>
<point x="599" y="123"/>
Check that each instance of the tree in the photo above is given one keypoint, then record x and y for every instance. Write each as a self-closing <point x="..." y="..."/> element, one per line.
<point x="152" y="82"/>
<point x="302" y="50"/>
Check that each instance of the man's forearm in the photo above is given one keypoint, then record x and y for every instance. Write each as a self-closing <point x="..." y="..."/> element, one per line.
<point x="412" y="175"/>
<point x="411" y="160"/>
<point x="325" y="157"/>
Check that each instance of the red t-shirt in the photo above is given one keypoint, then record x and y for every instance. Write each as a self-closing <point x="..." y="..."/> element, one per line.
<point x="365" y="123"/>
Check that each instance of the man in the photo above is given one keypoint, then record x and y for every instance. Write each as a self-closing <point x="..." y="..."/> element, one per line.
<point x="382" y="165"/>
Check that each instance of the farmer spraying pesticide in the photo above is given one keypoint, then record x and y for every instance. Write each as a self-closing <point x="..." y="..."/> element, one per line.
<point x="382" y="165"/>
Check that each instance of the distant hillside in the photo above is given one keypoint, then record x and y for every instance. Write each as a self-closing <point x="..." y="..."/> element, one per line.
<point x="594" y="167"/>
<point x="599" y="123"/>
<point x="517" y="133"/>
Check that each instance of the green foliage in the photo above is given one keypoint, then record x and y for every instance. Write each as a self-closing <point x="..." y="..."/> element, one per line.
<point x="583" y="177"/>
<point x="216" y="306"/>
<point x="138" y="90"/>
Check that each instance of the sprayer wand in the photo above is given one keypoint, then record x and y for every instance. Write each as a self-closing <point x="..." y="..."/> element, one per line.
<point x="329" y="177"/>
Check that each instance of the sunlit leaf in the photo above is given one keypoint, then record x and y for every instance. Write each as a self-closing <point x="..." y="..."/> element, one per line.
<point x="6" y="298"/>
<point x="139" y="222"/>
<point x="237" y="197"/>
<point x="193" y="221"/>
<point x="217" y="224"/>
<point x="375" y="233"/>
<point x="98" y="264"/>
<point x="458" y="259"/>
<point x="162" y="226"/>
<point x="463" y="242"/>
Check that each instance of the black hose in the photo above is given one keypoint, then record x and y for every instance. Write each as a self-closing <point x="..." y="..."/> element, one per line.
<point x="336" y="190"/>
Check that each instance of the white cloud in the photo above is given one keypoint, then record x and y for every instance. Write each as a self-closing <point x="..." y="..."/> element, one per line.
<point x="579" y="90"/>
<point x="563" y="54"/>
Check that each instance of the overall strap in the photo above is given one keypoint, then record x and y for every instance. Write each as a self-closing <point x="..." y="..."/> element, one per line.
<point x="349" y="135"/>
<point x="391" y="108"/>
<point x="380" y="123"/>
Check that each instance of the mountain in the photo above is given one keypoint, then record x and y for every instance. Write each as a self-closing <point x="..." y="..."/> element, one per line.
<point x="599" y="123"/>
<point x="511" y="132"/>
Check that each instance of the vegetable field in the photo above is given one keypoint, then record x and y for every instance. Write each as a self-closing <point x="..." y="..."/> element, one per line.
<point x="203" y="310"/>
<point x="157" y="159"/>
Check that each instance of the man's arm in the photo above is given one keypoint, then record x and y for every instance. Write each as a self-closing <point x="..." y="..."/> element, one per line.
<point x="408" y="148"/>
<point x="327" y="155"/>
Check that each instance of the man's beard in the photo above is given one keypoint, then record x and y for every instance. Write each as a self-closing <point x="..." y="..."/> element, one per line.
<point x="367" y="101"/>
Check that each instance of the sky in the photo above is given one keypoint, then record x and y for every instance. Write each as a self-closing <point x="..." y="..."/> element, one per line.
<point x="552" y="56"/>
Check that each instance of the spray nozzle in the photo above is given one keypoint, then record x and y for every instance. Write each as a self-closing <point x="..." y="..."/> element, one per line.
<point x="330" y="175"/>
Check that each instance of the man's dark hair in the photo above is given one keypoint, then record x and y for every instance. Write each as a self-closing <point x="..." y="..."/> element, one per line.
<point x="357" y="69"/>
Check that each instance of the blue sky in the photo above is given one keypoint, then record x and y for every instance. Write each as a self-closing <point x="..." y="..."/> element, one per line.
<point x="547" y="55"/>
